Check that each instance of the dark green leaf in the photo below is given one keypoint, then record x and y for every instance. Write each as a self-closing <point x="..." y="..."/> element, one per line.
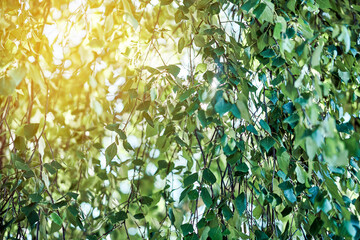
<point x="252" y="129"/>
<point x="278" y="62"/>
<point x="206" y="197"/>
<point x="35" y="197"/>
<point x="72" y="195"/>
<point x="50" y="168"/>
<point x="249" y="5"/>
<point x="209" y="176"/>
<point x="187" y="229"/>
<point x="22" y="166"/>
<point x="215" y="234"/>
<point x="222" y="106"/>
<point x="316" y="226"/>
<point x="117" y="217"/>
<point x="139" y="216"/>
<point x="171" y="216"/>
<point x="265" y="126"/>
<point x="146" y="200"/>
<point x="56" y="165"/>
<point x="190" y="179"/>
<point x="267" y="143"/>
<point x="268" y="53"/>
<point x="240" y="203"/>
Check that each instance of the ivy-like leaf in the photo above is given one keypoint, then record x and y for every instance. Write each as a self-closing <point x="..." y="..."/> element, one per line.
<point x="267" y="143"/>
<point x="240" y="203"/>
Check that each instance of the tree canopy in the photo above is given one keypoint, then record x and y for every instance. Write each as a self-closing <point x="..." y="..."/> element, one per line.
<point x="179" y="119"/>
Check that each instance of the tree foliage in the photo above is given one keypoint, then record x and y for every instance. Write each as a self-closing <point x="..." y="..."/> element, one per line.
<point x="206" y="119"/>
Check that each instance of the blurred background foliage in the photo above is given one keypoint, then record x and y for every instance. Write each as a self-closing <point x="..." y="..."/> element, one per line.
<point x="209" y="119"/>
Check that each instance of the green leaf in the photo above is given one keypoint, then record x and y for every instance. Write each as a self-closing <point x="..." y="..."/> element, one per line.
<point x="72" y="195"/>
<point x="139" y="216"/>
<point x="300" y="174"/>
<point x="173" y="70"/>
<point x="199" y="41"/>
<point x="345" y="76"/>
<point x="235" y="111"/>
<point x="315" y="59"/>
<point x="324" y="4"/>
<point x="227" y="212"/>
<point x="180" y="141"/>
<point x="30" y="130"/>
<point x="181" y="44"/>
<point x="222" y="106"/>
<point x="252" y="129"/>
<point x="20" y="143"/>
<point x="219" y="51"/>
<point x="249" y="5"/>
<point x="186" y="94"/>
<point x="278" y="62"/>
<point x="291" y="5"/>
<point x="22" y="166"/>
<point x="127" y="146"/>
<point x="184" y="193"/>
<point x="316" y="226"/>
<point x="265" y="126"/>
<point x="56" y="165"/>
<point x="240" y="203"/>
<point x="112" y="127"/>
<point x="29" y="208"/>
<point x="146" y="200"/>
<point x="59" y="205"/>
<point x="144" y="106"/>
<point x="192" y="108"/>
<point x="35" y="197"/>
<point x="190" y="179"/>
<point x="206" y="197"/>
<point x="345" y="37"/>
<point x="33" y="218"/>
<point x="72" y="209"/>
<point x="166" y="2"/>
<point x="56" y="218"/>
<point x="193" y="194"/>
<point x="121" y="134"/>
<point x="268" y="53"/>
<point x="265" y="11"/>
<point x="283" y="160"/>
<point x="187" y="229"/>
<point x="9" y="84"/>
<point x="289" y="195"/>
<point x="54" y="228"/>
<point x="311" y="147"/>
<point x="201" y="67"/>
<point x="267" y="143"/>
<point x="171" y="216"/>
<point x="259" y="10"/>
<point x="242" y="106"/>
<point x="117" y="217"/>
<point x="209" y="176"/>
<point x="50" y="168"/>
<point x="148" y="119"/>
<point x="261" y="235"/>
<point x="215" y="234"/>
<point x="110" y="152"/>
